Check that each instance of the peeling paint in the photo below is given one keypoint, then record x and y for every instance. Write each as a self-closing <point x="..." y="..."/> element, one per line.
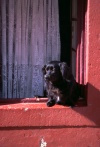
<point x="26" y="109"/>
<point x="43" y="143"/>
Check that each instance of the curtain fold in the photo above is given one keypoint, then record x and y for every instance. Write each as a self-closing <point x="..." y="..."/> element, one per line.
<point x="29" y="38"/>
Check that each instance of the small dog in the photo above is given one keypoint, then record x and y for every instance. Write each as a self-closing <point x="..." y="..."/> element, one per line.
<point x="60" y="84"/>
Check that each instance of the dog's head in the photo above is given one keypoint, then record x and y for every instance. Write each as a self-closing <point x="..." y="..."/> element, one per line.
<point x="52" y="71"/>
<point x="55" y="70"/>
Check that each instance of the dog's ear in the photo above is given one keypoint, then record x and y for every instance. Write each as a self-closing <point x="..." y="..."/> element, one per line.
<point x="44" y="69"/>
<point x="65" y="70"/>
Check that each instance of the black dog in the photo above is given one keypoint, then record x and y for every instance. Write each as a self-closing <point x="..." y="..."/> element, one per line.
<point x="60" y="84"/>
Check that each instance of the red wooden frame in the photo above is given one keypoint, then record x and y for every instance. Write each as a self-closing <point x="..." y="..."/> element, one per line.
<point x="81" y="47"/>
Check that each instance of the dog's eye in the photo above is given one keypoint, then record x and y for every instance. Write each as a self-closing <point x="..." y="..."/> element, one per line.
<point x="47" y="68"/>
<point x="51" y="68"/>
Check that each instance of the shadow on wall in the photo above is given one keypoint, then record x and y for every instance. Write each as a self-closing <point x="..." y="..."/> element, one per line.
<point x="92" y="110"/>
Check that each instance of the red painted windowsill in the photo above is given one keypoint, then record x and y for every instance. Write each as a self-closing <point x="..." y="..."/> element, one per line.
<point x="34" y="100"/>
<point x="35" y="113"/>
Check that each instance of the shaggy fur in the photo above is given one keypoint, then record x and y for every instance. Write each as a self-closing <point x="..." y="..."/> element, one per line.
<point x="60" y="84"/>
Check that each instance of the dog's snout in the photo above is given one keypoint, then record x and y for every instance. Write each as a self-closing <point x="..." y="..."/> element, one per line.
<point x="47" y="77"/>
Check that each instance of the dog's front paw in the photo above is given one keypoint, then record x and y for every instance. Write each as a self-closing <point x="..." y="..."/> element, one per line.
<point x="58" y="100"/>
<point x="50" y="103"/>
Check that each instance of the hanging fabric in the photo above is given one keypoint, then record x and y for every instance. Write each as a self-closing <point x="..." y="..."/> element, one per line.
<point x="29" y="38"/>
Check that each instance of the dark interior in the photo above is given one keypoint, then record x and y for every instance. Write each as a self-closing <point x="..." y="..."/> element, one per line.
<point x="65" y="29"/>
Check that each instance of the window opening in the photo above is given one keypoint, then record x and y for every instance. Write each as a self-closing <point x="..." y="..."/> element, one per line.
<point x="70" y="21"/>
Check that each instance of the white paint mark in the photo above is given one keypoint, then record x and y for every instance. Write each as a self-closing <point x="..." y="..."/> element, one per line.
<point x="43" y="143"/>
<point x="26" y="109"/>
<point x="37" y="99"/>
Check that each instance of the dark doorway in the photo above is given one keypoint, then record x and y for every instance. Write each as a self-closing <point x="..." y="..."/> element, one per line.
<point x="65" y="30"/>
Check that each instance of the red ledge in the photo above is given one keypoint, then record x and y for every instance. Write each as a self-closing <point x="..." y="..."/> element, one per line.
<point x="34" y="113"/>
<point x="22" y="100"/>
<point x="34" y="100"/>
